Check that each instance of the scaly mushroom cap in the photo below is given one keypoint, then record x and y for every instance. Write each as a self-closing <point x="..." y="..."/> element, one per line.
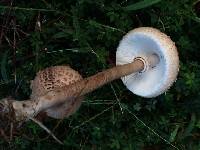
<point x="141" y="43"/>
<point x="52" y="78"/>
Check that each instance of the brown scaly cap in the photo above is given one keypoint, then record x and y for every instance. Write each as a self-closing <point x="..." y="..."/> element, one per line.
<point x="52" y="78"/>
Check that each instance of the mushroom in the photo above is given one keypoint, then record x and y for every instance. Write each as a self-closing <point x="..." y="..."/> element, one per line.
<point x="147" y="61"/>
<point x="142" y="43"/>
<point x="52" y="78"/>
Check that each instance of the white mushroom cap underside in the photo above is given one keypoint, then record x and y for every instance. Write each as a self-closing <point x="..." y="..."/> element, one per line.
<point x="142" y="42"/>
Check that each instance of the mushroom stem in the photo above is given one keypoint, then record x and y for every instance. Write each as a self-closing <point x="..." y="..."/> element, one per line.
<point x="89" y="84"/>
<point x="153" y="60"/>
<point x="30" y="108"/>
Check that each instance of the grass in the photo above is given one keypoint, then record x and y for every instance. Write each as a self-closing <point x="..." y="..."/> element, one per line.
<point x="85" y="35"/>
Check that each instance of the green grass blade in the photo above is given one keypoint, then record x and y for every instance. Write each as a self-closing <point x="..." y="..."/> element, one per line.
<point x="141" y="5"/>
<point x="174" y="133"/>
<point x="188" y="130"/>
<point x="3" y="67"/>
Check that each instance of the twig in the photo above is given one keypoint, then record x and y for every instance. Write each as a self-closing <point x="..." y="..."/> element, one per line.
<point x="28" y="9"/>
<point x="118" y="100"/>
<point x="92" y="118"/>
<point x="5" y="22"/>
<point x="52" y="130"/>
<point x="150" y="129"/>
<point x="46" y="129"/>
<point x="14" y="51"/>
<point x="2" y="134"/>
<point x="11" y="131"/>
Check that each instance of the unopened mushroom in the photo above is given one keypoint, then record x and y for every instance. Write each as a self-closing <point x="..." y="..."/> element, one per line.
<point x="147" y="61"/>
<point x="52" y="78"/>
